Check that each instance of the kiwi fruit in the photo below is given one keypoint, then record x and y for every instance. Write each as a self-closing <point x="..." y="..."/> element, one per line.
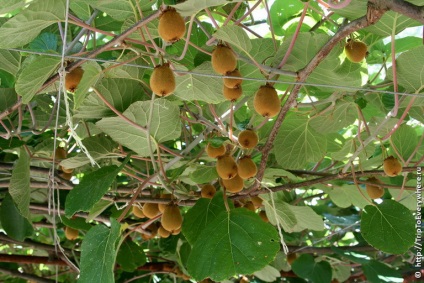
<point x="176" y="231"/>
<point x="215" y="152"/>
<point x="374" y="191"/>
<point x="233" y="82"/>
<point x="152" y="229"/>
<point x="248" y="139"/>
<point x="67" y="170"/>
<point x="73" y="78"/>
<point x="171" y="26"/>
<point x="392" y="166"/>
<point x="163" y="233"/>
<point x="151" y="210"/>
<point x="138" y="212"/>
<point x="232" y="94"/>
<point x="226" y="167"/>
<point x="223" y="59"/>
<point x="266" y="101"/>
<point x="60" y="153"/>
<point x="355" y="50"/>
<point x="250" y="206"/>
<point x="71" y="233"/>
<point x="171" y="217"/>
<point x="65" y="176"/>
<point x="257" y="201"/>
<point x="162" y="80"/>
<point x="246" y="167"/>
<point x="208" y="191"/>
<point x="262" y="215"/>
<point x="233" y="185"/>
<point x="162" y="206"/>
<point x="291" y="257"/>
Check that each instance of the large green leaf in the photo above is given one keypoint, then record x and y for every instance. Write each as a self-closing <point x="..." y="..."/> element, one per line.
<point x="347" y="195"/>
<point x="92" y="74"/>
<point x="14" y="224"/>
<point x="25" y="26"/>
<point x="204" y="174"/>
<point x="281" y="13"/>
<point x="10" y="61"/>
<point x="190" y="7"/>
<point x="317" y="272"/>
<point x="165" y="125"/>
<point x="19" y="187"/>
<point x="201" y="215"/>
<point x="297" y="143"/>
<point x="405" y="139"/>
<point x="91" y="189"/>
<point x="236" y="242"/>
<point x="334" y="117"/>
<point x="98" y="253"/>
<point x="117" y="9"/>
<point x="235" y="36"/>
<point x="389" y="227"/>
<point x="378" y="272"/>
<point x="8" y="98"/>
<point x="410" y="70"/>
<point x="10" y="5"/>
<point x="204" y="88"/>
<point x="34" y="75"/>
<point x="130" y="256"/>
<point x="292" y="218"/>
<point x="120" y="93"/>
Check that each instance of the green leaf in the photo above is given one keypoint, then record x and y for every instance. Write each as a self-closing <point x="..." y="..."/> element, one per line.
<point x="76" y="223"/>
<point x="91" y="189"/>
<point x="92" y="74"/>
<point x="236" y="242"/>
<point x="341" y="272"/>
<point x="120" y="93"/>
<point x="235" y="36"/>
<point x="204" y="174"/>
<point x="81" y="8"/>
<point x="200" y="87"/>
<point x="292" y="218"/>
<point x="25" y="26"/>
<point x="389" y="227"/>
<point x="410" y="70"/>
<point x="130" y="256"/>
<point x="117" y="9"/>
<point x="347" y="195"/>
<point x="281" y="13"/>
<point x="165" y="125"/>
<point x="19" y="187"/>
<point x="297" y="143"/>
<point x="10" y="5"/>
<point x="98" y="253"/>
<point x="378" y="272"/>
<point x="334" y="117"/>
<point x="10" y="143"/>
<point x="317" y="272"/>
<point x="201" y="215"/>
<point x="98" y="208"/>
<point x="405" y="140"/>
<point x="34" y="75"/>
<point x="268" y="274"/>
<point x="10" y="61"/>
<point x="190" y="7"/>
<point x="44" y="42"/>
<point x="14" y="224"/>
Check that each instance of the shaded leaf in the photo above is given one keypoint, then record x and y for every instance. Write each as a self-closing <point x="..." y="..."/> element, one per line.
<point x="190" y="7"/>
<point x="19" y="188"/>
<point x="317" y="272"/>
<point x="130" y="256"/>
<point x="378" y="272"/>
<point x="10" y="61"/>
<point x="14" y="224"/>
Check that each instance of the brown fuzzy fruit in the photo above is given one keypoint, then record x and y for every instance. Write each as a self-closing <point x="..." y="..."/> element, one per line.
<point x="233" y="185"/>
<point x="65" y="176"/>
<point x="250" y="206"/>
<point x="176" y="231"/>
<point x="171" y="26"/>
<point x="257" y="201"/>
<point x="232" y="94"/>
<point x="226" y="167"/>
<point x="392" y="166"/>
<point x="233" y="82"/>
<point x="291" y="258"/>
<point x="138" y="212"/>
<point x="215" y="152"/>
<point x="223" y="59"/>
<point x="161" y="206"/>
<point x="67" y="170"/>
<point x="163" y="233"/>
<point x="262" y="214"/>
<point x="248" y="139"/>
<point x="73" y="78"/>
<point x="374" y="190"/>
<point x="162" y="80"/>
<point x="171" y="218"/>
<point x="246" y="167"/>
<point x="71" y="233"/>
<point x="208" y="191"/>
<point x="60" y="153"/>
<point x="266" y="101"/>
<point x="152" y="229"/>
<point x="355" y="50"/>
<point x="151" y="210"/>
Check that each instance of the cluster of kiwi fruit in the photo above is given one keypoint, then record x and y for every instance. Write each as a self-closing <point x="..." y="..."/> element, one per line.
<point x="171" y="220"/>
<point x="355" y="50"/>
<point x="392" y="167"/>
<point x="224" y="62"/>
